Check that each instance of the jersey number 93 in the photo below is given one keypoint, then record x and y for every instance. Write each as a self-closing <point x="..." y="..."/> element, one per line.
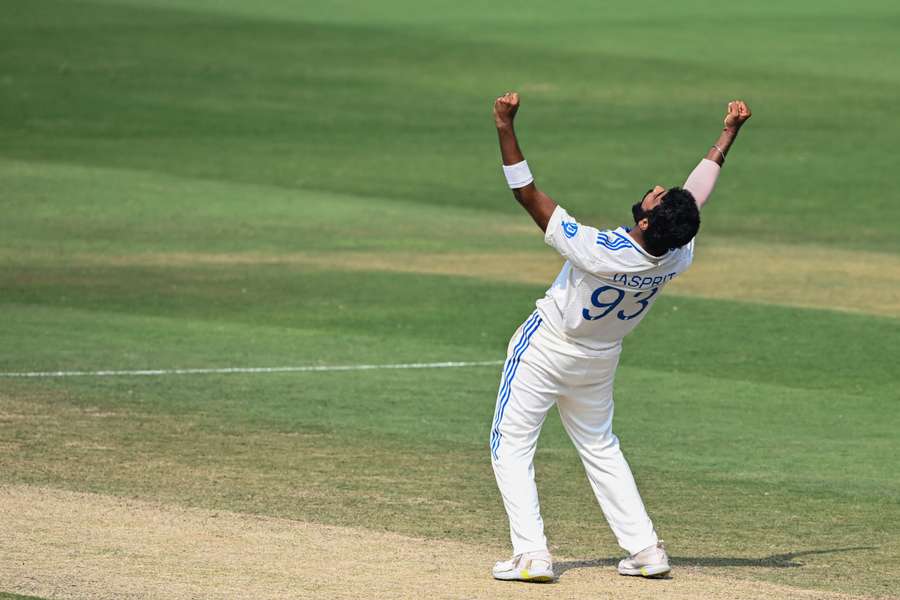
<point x="607" y="298"/>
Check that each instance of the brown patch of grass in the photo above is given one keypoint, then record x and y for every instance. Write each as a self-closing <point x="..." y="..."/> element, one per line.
<point x="854" y="281"/>
<point x="803" y="276"/>
<point x="66" y="544"/>
<point x="806" y="276"/>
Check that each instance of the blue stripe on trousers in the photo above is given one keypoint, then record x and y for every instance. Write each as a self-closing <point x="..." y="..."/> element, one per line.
<point x="503" y="396"/>
<point x="509" y="362"/>
<point x="523" y="339"/>
<point x="509" y="373"/>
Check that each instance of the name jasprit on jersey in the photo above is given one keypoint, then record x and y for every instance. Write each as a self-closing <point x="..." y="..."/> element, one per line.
<point x="638" y="282"/>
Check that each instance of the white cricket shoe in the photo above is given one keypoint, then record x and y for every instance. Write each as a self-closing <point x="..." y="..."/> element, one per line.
<point x="531" y="566"/>
<point x="649" y="562"/>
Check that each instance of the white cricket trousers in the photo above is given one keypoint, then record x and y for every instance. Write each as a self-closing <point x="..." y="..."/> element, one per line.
<point x="541" y="369"/>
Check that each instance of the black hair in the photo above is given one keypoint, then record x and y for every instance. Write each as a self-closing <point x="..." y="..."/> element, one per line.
<point x="673" y="223"/>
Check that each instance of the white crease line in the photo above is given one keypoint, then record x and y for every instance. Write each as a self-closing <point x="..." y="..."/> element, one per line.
<point x="306" y="369"/>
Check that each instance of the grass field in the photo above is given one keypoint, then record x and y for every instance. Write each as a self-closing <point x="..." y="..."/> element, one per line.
<point x="217" y="184"/>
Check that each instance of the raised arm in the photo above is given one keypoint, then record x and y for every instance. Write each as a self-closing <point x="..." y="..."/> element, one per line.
<point x="538" y="204"/>
<point x="703" y="178"/>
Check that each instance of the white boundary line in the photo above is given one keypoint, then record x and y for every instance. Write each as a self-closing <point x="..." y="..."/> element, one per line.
<point x="227" y="370"/>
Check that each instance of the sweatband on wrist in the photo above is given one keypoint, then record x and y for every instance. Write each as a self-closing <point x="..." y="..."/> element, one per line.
<point x="518" y="175"/>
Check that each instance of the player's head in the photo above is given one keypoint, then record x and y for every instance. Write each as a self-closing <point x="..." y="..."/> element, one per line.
<point x="667" y="218"/>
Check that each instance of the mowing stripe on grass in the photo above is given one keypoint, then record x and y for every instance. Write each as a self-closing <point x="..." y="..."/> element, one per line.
<point x="228" y="370"/>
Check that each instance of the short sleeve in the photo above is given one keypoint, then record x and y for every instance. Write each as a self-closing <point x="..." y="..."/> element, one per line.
<point x="587" y="248"/>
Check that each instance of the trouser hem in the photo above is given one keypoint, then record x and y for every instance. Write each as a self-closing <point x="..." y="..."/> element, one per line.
<point x="527" y="549"/>
<point x="640" y="544"/>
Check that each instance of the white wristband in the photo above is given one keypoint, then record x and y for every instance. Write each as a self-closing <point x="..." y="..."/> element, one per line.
<point x="518" y="175"/>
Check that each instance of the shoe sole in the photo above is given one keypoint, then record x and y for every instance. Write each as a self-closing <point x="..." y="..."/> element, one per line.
<point x="650" y="571"/>
<point x="525" y="576"/>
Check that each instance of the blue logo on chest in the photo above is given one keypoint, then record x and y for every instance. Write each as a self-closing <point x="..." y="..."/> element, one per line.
<point x="570" y="229"/>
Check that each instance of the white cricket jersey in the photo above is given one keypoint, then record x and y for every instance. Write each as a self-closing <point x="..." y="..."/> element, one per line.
<point x="607" y="284"/>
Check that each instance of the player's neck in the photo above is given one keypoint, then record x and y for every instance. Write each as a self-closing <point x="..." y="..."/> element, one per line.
<point x="638" y="236"/>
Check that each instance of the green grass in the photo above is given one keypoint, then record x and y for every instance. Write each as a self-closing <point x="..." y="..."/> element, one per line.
<point x="346" y="106"/>
<point x="762" y="437"/>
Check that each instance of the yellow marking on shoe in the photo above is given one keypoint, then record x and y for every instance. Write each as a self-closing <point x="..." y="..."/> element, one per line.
<point x="525" y="574"/>
<point x="644" y="572"/>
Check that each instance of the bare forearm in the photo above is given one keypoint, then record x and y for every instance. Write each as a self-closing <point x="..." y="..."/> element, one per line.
<point x="538" y="204"/>
<point x="737" y="115"/>
<point x="719" y="150"/>
<point x="509" y="145"/>
<point x="702" y="179"/>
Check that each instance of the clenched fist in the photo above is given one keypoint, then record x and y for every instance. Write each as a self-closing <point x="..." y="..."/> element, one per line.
<point x="505" y="108"/>
<point x="738" y="113"/>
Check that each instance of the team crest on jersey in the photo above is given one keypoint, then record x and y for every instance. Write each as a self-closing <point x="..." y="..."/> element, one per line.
<point x="570" y="229"/>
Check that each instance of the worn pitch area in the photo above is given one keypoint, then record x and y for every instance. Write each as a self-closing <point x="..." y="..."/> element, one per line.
<point x="801" y="276"/>
<point x="62" y="544"/>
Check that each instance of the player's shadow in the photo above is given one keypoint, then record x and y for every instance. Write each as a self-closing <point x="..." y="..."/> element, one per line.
<point x="777" y="561"/>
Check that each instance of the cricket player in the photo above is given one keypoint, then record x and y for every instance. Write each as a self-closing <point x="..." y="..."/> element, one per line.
<point x="567" y="351"/>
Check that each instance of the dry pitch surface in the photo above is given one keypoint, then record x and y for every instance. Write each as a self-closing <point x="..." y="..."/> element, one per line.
<point x="61" y="544"/>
